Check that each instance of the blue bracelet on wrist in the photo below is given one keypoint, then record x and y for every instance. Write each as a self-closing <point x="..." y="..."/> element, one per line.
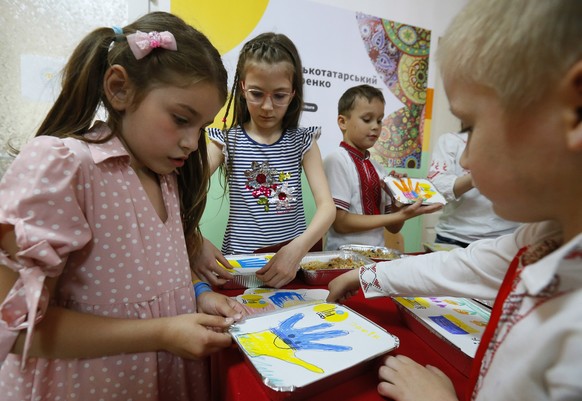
<point x="200" y="288"/>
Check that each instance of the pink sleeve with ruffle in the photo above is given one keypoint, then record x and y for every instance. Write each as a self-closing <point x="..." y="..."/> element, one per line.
<point x="42" y="194"/>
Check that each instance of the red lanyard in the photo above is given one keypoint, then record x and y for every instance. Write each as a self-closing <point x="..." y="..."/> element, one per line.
<point x="369" y="179"/>
<point x="504" y="290"/>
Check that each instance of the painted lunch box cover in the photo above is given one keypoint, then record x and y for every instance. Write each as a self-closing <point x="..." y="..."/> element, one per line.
<point x="374" y="253"/>
<point x="408" y="190"/>
<point x="246" y="264"/>
<point x="294" y="347"/>
<point x="460" y="321"/>
<point x="244" y="268"/>
<point x="262" y="300"/>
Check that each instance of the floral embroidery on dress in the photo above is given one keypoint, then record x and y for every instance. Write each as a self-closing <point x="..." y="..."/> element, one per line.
<point x="268" y="187"/>
<point x="283" y="197"/>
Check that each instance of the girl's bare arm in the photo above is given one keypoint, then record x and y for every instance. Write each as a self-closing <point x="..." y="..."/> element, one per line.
<point x="325" y="208"/>
<point x="63" y="333"/>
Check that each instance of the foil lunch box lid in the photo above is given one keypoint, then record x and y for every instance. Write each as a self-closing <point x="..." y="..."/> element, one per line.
<point x="375" y="253"/>
<point x="307" y="348"/>
<point x="244" y="269"/>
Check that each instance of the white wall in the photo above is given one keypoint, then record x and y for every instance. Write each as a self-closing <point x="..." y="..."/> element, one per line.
<point x="37" y="38"/>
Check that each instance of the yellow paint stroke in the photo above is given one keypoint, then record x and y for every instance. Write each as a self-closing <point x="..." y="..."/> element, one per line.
<point x="399" y="186"/>
<point x="262" y="290"/>
<point x="330" y="313"/>
<point x="233" y="263"/>
<point x="267" y="343"/>
<point x="413" y="303"/>
<point x="254" y="301"/>
<point x="227" y="23"/>
<point x="479" y="323"/>
<point x="426" y="190"/>
<point x="450" y="301"/>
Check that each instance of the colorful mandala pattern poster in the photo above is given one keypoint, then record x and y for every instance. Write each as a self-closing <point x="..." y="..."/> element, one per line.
<point x="400" y="55"/>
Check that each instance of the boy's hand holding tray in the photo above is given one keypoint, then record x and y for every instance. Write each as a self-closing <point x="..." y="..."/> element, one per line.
<point x="407" y="191"/>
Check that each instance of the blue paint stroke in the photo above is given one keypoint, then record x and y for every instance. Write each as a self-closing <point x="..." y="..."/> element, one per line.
<point x="302" y="339"/>
<point x="447" y="325"/>
<point x="281" y="297"/>
<point x="252" y="263"/>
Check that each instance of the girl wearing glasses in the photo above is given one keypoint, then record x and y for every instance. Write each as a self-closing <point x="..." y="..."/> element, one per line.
<point x="262" y="155"/>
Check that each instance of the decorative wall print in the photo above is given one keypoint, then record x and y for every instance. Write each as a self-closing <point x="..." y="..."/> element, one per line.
<point x="400" y="54"/>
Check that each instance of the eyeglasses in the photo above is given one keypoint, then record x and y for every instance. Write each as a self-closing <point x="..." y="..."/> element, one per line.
<point x="256" y="96"/>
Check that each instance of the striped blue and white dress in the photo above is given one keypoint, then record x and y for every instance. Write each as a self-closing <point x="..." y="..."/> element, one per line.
<point x="266" y="202"/>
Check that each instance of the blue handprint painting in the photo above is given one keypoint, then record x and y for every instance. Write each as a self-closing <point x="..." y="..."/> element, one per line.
<point x="283" y="341"/>
<point x="296" y="346"/>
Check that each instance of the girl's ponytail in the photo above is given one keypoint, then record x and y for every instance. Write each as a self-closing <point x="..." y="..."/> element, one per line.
<point x="196" y="60"/>
<point x="82" y="87"/>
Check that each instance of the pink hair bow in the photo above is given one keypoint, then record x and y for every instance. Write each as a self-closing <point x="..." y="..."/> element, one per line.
<point x="142" y="43"/>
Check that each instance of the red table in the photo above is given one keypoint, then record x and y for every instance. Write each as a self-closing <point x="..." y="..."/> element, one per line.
<point x="234" y="380"/>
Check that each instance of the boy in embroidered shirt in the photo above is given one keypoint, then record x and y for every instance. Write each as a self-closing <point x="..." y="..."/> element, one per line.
<point x="525" y="154"/>
<point x="363" y="207"/>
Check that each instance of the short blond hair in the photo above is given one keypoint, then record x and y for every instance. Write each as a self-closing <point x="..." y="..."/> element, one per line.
<point x="519" y="48"/>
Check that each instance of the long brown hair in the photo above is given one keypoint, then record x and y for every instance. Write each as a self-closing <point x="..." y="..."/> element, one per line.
<point x="196" y="60"/>
<point x="269" y="48"/>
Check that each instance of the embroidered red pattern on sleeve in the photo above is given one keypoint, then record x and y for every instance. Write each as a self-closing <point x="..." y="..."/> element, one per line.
<point x="369" y="278"/>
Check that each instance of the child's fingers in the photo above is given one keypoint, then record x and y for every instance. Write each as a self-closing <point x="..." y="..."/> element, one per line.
<point x="214" y="321"/>
<point x="437" y="371"/>
<point x="432" y="208"/>
<point x="223" y="268"/>
<point x="412" y="208"/>
<point x="237" y="310"/>
<point x="224" y="262"/>
<point x="217" y="340"/>
<point x="265" y="269"/>
<point x="212" y="278"/>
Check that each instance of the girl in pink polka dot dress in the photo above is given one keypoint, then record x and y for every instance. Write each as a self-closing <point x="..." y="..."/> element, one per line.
<point x="99" y="221"/>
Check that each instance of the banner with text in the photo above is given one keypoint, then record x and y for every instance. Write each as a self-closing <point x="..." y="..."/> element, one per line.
<point x="339" y="49"/>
